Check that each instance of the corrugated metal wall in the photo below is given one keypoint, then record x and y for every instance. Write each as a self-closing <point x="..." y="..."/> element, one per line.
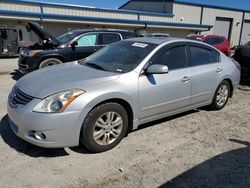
<point x="19" y="7"/>
<point x="182" y="14"/>
<point x="209" y="17"/>
<point x="88" y="13"/>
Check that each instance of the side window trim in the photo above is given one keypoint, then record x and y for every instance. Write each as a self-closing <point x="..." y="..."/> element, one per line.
<point x="169" y="47"/>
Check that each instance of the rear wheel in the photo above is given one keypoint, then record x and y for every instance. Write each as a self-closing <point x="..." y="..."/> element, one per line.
<point x="104" y="127"/>
<point x="49" y="62"/>
<point x="221" y="95"/>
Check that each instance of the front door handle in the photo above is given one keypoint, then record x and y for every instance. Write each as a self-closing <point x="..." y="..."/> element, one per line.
<point x="219" y="70"/>
<point x="185" y="79"/>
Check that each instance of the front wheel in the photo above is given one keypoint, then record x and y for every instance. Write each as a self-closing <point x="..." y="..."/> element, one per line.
<point x="104" y="127"/>
<point x="49" y="62"/>
<point x="221" y="96"/>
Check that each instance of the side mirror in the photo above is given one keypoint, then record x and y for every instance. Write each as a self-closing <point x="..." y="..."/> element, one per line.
<point x="74" y="44"/>
<point x="157" y="69"/>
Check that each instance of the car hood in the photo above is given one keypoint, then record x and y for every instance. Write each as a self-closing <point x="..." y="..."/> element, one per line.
<point x="42" y="33"/>
<point x="50" y="80"/>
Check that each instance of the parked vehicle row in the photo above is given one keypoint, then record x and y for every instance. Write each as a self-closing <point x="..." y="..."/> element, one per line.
<point x="79" y="44"/>
<point x="96" y="101"/>
<point x="71" y="46"/>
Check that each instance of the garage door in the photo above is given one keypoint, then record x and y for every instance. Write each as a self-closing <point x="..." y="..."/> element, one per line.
<point x="245" y="32"/>
<point x="223" y="27"/>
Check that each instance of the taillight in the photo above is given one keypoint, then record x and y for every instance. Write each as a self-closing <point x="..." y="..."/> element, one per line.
<point x="236" y="64"/>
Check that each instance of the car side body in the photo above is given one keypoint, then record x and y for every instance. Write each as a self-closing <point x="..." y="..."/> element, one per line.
<point x="217" y="41"/>
<point x="190" y="80"/>
<point x="71" y="46"/>
<point x="242" y="55"/>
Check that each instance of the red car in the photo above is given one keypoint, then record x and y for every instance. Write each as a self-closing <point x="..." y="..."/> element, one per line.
<point x="219" y="42"/>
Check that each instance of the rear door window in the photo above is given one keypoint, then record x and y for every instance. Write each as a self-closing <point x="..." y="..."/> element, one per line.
<point x="202" y="55"/>
<point x="88" y="40"/>
<point x="108" y="38"/>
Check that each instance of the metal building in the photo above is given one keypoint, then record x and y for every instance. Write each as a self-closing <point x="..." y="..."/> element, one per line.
<point x="176" y="17"/>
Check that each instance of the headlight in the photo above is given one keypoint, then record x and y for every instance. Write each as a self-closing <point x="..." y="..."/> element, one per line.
<point x="58" y="102"/>
<point x="29" y="52"/>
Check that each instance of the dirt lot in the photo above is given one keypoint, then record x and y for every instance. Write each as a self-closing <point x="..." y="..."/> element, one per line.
<point x="199" y="148"/>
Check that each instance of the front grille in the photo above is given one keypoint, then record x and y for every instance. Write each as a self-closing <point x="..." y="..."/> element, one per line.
<point x="18" y="97"/>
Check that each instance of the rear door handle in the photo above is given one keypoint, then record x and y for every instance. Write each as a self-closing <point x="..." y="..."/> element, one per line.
<point x="185" y="79"/>
<point x="219" y="70"/>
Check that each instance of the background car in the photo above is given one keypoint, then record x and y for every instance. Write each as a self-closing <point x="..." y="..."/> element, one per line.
<point x="242" y="55"/>
<point x="96" y="101"/>
<point x="219" y="42"/>
<point x="157" y="35"/>
<point x="74" y="45"/>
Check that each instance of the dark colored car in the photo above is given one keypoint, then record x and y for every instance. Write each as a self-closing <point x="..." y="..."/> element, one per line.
<point x="217" y="41"/>
<point x="71" y="46"/>
<point x="8" y="42"/>
<point x="242" y="55"/>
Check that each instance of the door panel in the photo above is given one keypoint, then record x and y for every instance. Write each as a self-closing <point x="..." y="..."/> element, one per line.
<point x="205" y="71"/>
<point x="162" y="93"/>
<point x="204" y="79"/>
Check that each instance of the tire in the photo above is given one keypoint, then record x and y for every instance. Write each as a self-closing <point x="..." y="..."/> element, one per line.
<point x="107" y="135"/>
<point x="221" y="96"/>
<point x="49" y="62"/>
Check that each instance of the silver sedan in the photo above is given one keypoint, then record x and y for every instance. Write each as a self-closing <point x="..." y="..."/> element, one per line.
<point x="96" y="101"/>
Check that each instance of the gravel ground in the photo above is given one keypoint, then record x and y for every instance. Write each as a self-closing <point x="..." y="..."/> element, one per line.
<point x="200" y="148"/>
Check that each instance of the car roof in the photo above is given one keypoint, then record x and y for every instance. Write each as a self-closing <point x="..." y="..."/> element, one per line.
<point x="162" y="40"/>
<point x="79" y="31"/>
<point x="204" y="36"/>
<point x="155" y="40"/>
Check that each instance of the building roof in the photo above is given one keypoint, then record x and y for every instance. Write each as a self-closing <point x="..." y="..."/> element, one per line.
<point x="140" y="23"/>
<point x="238" y="5"/>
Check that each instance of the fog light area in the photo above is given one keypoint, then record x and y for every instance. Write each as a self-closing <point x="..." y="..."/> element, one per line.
<point x="39" y="135"/>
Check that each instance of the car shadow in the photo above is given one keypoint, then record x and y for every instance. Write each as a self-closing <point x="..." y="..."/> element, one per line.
<point x="16" y="75"/>
<point x="230" y="169"/>
<point x="146" y="125"/>
<point x="23" y="147"/>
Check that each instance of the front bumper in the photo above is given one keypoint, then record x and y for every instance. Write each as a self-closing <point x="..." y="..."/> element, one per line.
<point x="27" y="64"/>
<point x="60" y="129"/>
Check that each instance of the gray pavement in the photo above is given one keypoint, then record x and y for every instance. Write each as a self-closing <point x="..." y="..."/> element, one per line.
<point x="8" y="65"/>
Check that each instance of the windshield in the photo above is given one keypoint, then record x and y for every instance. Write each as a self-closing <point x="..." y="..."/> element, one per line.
<point x="65" y="38"/>
<point x="120" y="57"/>
<point x="247" y="44"/>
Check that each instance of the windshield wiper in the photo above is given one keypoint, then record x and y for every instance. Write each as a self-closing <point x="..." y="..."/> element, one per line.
<point x="95" y="66"/>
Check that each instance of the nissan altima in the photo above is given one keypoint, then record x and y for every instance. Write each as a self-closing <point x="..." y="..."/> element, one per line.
<point x="96" y="101"/>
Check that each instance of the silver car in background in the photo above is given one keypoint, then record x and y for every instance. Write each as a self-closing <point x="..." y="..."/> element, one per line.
<point x="97" y="100"/>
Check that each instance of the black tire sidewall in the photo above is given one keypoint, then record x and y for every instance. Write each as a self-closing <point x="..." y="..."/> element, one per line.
<point x="88" y="126"/>
<point x="215" y="106"/>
